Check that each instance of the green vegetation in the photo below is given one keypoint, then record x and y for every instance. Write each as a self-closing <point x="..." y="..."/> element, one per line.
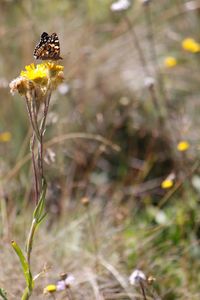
<point x="118" y="148"/>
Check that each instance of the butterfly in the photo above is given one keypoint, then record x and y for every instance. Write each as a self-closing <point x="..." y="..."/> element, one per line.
<point x="48" y="48"/>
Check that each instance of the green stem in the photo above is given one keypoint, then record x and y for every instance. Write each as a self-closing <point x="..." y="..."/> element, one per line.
<point x="32" y="144"/>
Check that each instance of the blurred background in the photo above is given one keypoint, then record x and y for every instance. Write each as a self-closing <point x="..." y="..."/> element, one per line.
<point x="121" y="147"/>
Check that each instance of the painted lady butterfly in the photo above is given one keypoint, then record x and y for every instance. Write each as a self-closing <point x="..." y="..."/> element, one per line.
<point x="48" y="47"/>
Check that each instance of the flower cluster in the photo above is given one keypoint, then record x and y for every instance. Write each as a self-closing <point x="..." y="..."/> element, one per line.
<point x="66" y="282"/>
<point x="38" y="78"/>
<point x="188" y="44"/>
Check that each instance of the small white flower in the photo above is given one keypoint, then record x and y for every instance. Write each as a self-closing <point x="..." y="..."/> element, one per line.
<point x="136" y="277"/>
<point x="69" y="280"/>
<point x="63" y="88"/>
<point x="149" y="82"/>
<point x="120" y="5"/>
<point x="60" y="285"/>
<point x="161" y="218"/>
<point x="124" y="101"/>
<point x="196" y="182"/>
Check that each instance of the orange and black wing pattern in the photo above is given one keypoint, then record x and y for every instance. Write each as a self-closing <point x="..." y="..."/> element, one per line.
<point x="48" y="47"/>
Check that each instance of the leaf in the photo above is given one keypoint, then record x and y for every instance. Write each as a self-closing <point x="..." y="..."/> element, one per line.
<point x="3" y="294"/>
<point x="26" y="294"/>
<point x="42" y="218"/>
<point x="39" y="214"/>
<point x="25" y="265"/>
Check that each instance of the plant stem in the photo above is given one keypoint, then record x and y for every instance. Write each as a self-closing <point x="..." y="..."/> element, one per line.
<point x="144" y="65"/>
<point x="143" y="290"/>
<point x="93" y="234"/>
<point x="136" y="44"/>
<point x="32" y="144"/>
<point x="33" y="109"/>
<point x="152" y="46"/>
<point x="42" y="131"/>
<point x="69" y="294"/>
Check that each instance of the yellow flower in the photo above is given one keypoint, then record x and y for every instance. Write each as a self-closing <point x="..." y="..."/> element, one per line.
<point x="168" y="182"/>
<point x="40" y="78"/>
<point x="191" y="45"/>
<point x="51" y="288"/>
<point x="5" y="137"/>
<point x="36" y="73"/>
<point x="55" y="74"/>
<point x="54" y="67"/>
<point x="170" y="62"/>
<point x="183" y="146"/>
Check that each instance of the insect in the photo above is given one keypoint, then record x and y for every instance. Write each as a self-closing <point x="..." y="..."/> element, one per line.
<point x="48" y="48"/>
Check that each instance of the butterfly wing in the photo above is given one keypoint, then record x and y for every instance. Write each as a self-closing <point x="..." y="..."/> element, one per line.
<point x="41" y="45"/>
<point x="48" y="47"/>
<point x="54" y="47"/>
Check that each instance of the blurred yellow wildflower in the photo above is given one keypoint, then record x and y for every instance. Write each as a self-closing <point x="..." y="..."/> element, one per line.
<point x="191" y="45"/>
<point x="51" y="288"/>
<point x="170" y="62"/>
<point x="168" y="182"/>
<point x="5" y="136"/>
<point x="183" y="146"/>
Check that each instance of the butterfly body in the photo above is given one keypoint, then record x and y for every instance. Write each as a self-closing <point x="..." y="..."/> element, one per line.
<point x="48" y="48"/>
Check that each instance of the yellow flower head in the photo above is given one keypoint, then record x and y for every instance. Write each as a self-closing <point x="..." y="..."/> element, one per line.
<point x="170" y="62"/>
<point x="51" y="288"/>
<point x="168" y="182"/>
<point x="36" y="73"/>
<point x="190" y="45"/>
<point x="51" y="66"/>
<point x="39" y="77"/>
<point x="55" y="74"/>
<point x="183" y="146"/>
<point x="5" y="136"/>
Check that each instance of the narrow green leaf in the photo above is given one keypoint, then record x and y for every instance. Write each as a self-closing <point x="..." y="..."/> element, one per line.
<point x="26" y="294"/>
<point x="3" y="294"/>
<point x="42" y="218"/>
<point x="24" y="264"/>
<point x="38" y="214"/>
